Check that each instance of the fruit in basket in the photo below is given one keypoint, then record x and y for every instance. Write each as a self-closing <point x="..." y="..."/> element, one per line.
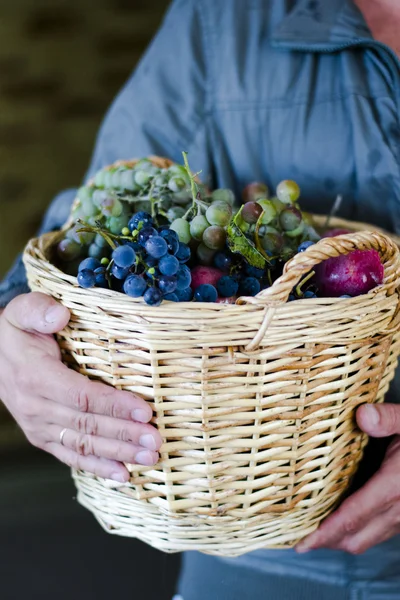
<point x="349" y="275"/>
<point x="139" y="234"/>
<point x="205" y="275"/>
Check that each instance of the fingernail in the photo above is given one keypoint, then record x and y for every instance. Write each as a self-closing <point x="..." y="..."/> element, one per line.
<point x="147" y="441"/>
<point x="119" y="477"/>
<point x="373" y="415"/>
<point x="53" y="314"/>
<point x="302" y="548"/>
<point x="140" y="415"/>
<point x="145" y="458"/>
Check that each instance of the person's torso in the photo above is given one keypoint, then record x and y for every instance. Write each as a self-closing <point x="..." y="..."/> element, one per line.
<point x="300" y="90"/>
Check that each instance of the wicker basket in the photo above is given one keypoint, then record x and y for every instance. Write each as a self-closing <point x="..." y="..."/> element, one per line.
<point x="255" y="402"/>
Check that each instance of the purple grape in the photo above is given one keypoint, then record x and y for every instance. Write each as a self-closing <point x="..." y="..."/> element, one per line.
<point x="153" y="297"/>
<point x="86" y="278"/>
<point x="134" y="286"/>
<point x="167" y="284"/>
<point x="156" y="246"/>
<point x="124" y="256"/>
<point x="183" y="278"/>
<point x="169" y="265"/>
<point x="89" y="263"/>
<point x="119" y="272"/>
<point x="205" y="293"/>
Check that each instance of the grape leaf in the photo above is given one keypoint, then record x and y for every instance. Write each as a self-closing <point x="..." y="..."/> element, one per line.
<point x="240" y="244"/>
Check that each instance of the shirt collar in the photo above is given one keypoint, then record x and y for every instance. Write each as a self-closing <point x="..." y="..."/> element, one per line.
<point x="326" y="23"/>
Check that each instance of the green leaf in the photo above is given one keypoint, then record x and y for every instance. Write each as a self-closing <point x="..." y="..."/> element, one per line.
<point x="240" y="244"/>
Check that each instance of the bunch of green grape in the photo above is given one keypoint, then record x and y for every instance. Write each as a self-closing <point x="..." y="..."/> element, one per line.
<point x="276" y="224"/>
<point x="204" y="225"/>
<point x="114" y="195"/>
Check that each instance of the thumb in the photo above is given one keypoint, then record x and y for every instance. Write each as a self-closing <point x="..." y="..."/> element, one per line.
<point x="36" y="312"/>
<point x="379" y="420"/>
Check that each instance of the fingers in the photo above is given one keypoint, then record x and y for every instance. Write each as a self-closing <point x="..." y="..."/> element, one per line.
<point x="380" y="529"/>
<point x="91" y="445"/>
<point x="36" y="312"/>
<point x="379" y="420"/>
<point x="58" y="383"/>
<point x="352" y="516"/>
<point x="118" y="430"/>
<point x="108" y="469"/>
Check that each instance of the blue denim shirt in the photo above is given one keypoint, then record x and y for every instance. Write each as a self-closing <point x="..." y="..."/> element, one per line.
<point x="257" y="89"/>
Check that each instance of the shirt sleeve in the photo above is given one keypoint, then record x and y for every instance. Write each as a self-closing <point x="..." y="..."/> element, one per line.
<point x="161" y="110"/>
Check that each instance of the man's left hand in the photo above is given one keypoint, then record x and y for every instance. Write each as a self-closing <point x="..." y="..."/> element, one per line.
<point x="372" y="514"/>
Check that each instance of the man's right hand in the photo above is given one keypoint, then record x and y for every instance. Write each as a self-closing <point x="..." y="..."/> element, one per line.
<point x="104" y="427"/>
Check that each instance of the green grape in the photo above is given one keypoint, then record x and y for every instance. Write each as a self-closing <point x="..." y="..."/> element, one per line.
<point x="127" y="180"/>
<point x="77" y="212"/>
<point x="198" y="225"/>
<point x="84" y="193"/>
<point x="278" y="204"/>
<point x="108" y="179"/>
<point x="177" y="170"/>
<point x="175" y="212"/>
<point x="98" y="197"/>
<point x="81" y="237"/>
<point x="93" y="221"/>
<point x="296" y="232"/>
<point x="68" y="250"/>
<point x="88" y="208"/>
<point x="288" y="192"/>
<point x="205" y="255"/>
<point x="161" y="180"/>
<point x="270" y="212"/>
<point x="219" y="213"/>
<point x="214" y="237"/>
<point x="126" y="231"/>
<point x="99" y="178"/>
<point x="223" y="195"/>
<point x="251" y="212"/>
<point x="309" y="233"/>
<point x="272" y="242"/>
<point x="96" y="252"/>
<point x="142" y="178"/>
<point x="255" y="191"/>
<point x="176" y="184"/>
<point x="100" y="241"/>
<point x="182" y="228"/>
<point x="241" y="223"/>
<point x="116" y="224"/>
<point x="182" y="197"/>
<point x="111" y="207"/>
<point x="290" y="218"/>
<point x="144" y="164"/>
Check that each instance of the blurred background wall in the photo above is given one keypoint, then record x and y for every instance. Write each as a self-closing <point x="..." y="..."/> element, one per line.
<point x="61" y="63"/>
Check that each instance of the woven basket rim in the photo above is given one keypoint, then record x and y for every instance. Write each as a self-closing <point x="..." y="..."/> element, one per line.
<point x="37" y="247"/>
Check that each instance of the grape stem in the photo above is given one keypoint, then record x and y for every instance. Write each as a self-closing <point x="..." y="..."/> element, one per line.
<point x="109" y="237"/>
<point x="196" y="198"/>
<point x="302" y="282"/>
<point x="333" y="210"/>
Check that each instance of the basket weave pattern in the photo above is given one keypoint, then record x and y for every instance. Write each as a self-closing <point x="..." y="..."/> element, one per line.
<point x="255" y="402"/>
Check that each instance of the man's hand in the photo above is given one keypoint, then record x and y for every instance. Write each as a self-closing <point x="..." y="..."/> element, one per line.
<point x="372" y="514"/>
<point x="104" y="427"/>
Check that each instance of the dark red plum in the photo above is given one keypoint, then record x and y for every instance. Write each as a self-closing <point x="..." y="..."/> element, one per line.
<point x="349" y="275"/>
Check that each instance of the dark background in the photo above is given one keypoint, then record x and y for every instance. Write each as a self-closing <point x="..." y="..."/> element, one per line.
<point x="61" y="63"/>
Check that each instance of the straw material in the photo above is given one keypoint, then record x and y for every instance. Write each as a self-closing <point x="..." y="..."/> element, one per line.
<point x="255" y="402"/>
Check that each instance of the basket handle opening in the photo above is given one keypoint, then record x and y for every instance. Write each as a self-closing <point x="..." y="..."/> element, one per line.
<point x="303" y="263"/>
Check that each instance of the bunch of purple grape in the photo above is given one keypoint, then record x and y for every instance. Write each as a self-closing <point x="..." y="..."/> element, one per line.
<point x="149" y="262"/>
